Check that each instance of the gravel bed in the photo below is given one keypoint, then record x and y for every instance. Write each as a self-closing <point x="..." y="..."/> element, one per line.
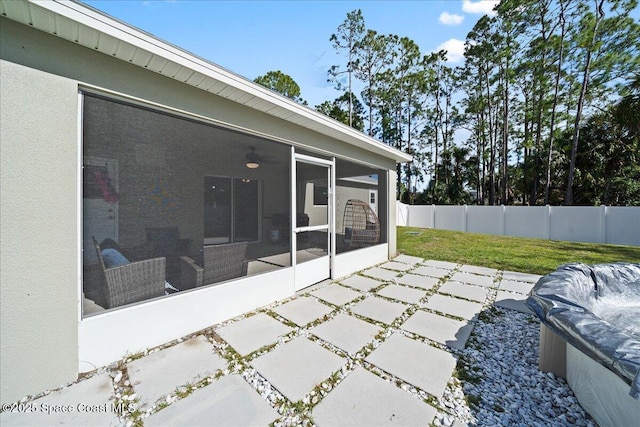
<point x="499" y="382"/>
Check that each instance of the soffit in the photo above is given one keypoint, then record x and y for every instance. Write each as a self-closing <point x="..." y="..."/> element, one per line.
<point x="94" y="30"/>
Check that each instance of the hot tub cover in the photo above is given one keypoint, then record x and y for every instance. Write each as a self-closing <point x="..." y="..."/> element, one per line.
<point x="597" y="310"/>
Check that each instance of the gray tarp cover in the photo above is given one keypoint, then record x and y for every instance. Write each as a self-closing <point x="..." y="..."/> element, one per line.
<point x="597" y="310"/>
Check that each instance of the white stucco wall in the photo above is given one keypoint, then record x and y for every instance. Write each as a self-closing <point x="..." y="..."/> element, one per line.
<point x="38" y="220"/>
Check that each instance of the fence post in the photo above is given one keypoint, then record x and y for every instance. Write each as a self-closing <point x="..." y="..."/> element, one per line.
<point x="465" y="217"/>
<point x="408" y="215"/>
<point x="548" y="222"/>
<point x="603" y="224"/>
<point x="433" y="216"/>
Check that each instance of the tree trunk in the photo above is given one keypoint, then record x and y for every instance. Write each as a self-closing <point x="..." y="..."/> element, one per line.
<point x="492" y="159"/>
<point x="547" y="187"/>
<point x="583" y="91"/>
<point x="505" y="136"/>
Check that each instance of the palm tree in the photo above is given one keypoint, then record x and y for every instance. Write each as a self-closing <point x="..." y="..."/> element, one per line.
<point x="627" y="111"/>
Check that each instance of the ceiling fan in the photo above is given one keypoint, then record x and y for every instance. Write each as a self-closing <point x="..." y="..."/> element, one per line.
<point x="253" y="160"/>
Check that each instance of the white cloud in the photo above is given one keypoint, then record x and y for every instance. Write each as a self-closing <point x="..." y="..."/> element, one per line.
<point x="447" y="18"/>
<point x="480" y="7"/>
<point x="455" y="50"/>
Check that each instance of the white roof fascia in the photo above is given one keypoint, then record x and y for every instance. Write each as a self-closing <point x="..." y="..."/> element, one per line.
<point x="271" y="102"/>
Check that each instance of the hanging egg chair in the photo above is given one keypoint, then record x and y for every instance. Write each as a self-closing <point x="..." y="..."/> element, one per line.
<point x="360" y="223"/>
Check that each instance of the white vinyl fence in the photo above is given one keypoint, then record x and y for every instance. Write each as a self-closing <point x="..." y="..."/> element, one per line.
<point x="600" y="224"/>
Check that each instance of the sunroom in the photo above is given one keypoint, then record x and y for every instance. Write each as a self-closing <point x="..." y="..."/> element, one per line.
<point x="167" y="193"/>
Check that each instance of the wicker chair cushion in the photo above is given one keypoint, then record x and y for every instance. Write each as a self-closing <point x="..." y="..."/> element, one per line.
<point x="110" y="243"/>
<point x="113" y="258"/>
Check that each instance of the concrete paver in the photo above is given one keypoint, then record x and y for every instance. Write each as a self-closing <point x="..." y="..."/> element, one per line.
<point x="250" y="334"/>
<point x="515" y="286"/>
<point x="96" y="391"/>
<point x="397" y="266"/>
<point x="229" y="401"/>
<point x="512" y="301"/>
<point x="454" y="306"/>
<point x="521" y="277"/>
<point x="441" y="264"/>
<point x="402" y="293"/>
<point x="364" y="284"/>
<point x="431" y="271"/>
<point x="408" y="259"/>
<point x="450" y="332"/>
<point x="473" y="279"/>
<point x="380" y="273"/>
<point x="303" y="310"/>
<point x="159" y="373"/>
<point x="296" y="367"/>
<point x="379" y="309"/>
<point x="364" y="399"/>
<point x="475" y="293"/>
<point x="478" y="270"/>
<point x="424" y="282"/>
<point x="336" y="294"/>
<point x="346" y="332"/>
<point x="417" y="363"/>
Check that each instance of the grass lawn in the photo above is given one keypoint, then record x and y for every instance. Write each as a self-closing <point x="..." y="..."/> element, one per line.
<point x="507" y="253"/>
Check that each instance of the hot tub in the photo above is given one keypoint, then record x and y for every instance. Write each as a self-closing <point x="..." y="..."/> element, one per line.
<point x="591" y="319"/>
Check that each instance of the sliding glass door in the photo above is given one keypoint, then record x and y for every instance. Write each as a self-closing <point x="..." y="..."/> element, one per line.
<point x="231" y="210"/>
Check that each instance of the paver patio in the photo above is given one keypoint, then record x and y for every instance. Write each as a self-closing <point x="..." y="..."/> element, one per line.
<point x="426" y="270"/>
<point x="229" y="401"/>
<point x="454" y="306"/>
<point x="415" y="363"/>
<point x="253" y="333"/>
<point x="299" y="362"/>
<point x="380" y="273"/>
<point x="516" y="286"/>
<point x="297" y="366"/>
<point x="379" y="309"/>
<point x="521" y="277"/>
<point x="364" y="284"/>
<point x="441" y="264"/>
<point x="159" y="373"/>
<point x="364" y="399"/>
<point x="402" y="293"/>
<point x="408" y="259"/>
<point x="475" y="293"/>
<point x="473" y="279"/>
<point x="346" y="332"/>
<point x="97" y="390"/>
<point x="512" y="301"/>
<point x="336" y="294"/>
<point x="396" y="266"/>
<point x="417" y="281"/>
<point x="303" y="310"/>
<point x="485" y="271"/>
<point x="450" y="332"/>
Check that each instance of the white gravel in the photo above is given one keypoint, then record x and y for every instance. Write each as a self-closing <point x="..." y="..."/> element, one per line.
<point x="500" y="383"/>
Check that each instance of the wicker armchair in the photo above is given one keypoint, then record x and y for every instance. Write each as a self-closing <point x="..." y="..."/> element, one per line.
<point x="132" y="282"/>
<point x="219" y="263"/>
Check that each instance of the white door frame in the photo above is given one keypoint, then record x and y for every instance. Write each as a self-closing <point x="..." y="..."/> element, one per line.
<point x="310" y="272"/>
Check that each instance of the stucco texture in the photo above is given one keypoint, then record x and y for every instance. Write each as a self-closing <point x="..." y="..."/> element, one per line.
<point x="38" y="219"/>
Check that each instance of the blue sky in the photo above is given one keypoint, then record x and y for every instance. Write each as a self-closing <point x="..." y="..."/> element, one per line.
<point x="251" y="38"/>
